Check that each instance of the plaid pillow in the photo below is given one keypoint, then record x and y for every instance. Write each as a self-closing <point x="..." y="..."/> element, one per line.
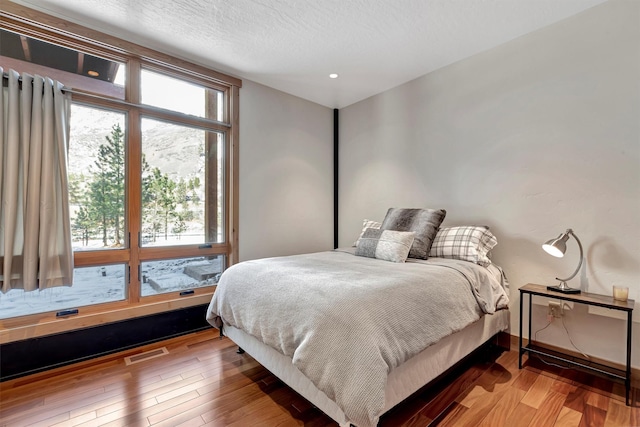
<point x="387" y="245"/>
<point x="470" y="243"/>
<point x="367" y="223"/>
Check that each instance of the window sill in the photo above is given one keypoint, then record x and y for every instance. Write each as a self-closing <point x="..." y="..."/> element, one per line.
<point x="10" y="331"/>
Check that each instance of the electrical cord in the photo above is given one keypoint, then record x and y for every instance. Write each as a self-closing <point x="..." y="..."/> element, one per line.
<point x="535" y="335"/>
<point x="549" y="321"/>
<point x="541" y="358"/>
<point x="569" y="336"/>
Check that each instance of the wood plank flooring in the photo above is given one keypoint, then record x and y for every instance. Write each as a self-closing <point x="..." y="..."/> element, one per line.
<point x="203" y="382"/>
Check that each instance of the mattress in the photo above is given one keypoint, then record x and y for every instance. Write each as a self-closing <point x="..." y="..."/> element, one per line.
<point x="346" y="321"/>
<point x="401" y="382"/>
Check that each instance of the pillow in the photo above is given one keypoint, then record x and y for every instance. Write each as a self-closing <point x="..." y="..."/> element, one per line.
<point x="367" y="223"/>
<point x="387" y="245"/>
<point x="470" y="243"/>
<point x="423" y="222"/>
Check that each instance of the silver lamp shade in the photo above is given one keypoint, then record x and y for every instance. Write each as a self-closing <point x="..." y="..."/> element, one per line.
<point x="557" y="248"/>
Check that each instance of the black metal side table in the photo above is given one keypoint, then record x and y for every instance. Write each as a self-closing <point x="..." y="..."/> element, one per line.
<point x="573" y="361"/>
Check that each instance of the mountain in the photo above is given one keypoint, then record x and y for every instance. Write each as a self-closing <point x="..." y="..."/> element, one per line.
<point x="176" y="150"/>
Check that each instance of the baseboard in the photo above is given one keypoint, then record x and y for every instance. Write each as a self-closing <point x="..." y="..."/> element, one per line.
<point x="26" y="357"/>
<point x="503" y="341"/>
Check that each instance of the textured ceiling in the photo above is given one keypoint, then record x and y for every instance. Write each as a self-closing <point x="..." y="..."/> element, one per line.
<point x="293" y="45"/>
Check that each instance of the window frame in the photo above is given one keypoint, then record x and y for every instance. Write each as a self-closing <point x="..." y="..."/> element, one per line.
<point x="31" y="23"/>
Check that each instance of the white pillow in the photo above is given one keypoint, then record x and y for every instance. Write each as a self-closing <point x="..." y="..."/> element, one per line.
<point x="388" y="245"/>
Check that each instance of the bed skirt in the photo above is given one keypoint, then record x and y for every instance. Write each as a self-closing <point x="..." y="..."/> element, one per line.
<point x="403" y="381"/>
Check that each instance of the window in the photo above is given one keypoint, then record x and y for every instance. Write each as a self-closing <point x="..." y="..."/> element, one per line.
<point x="98" y="284"/>
<point x="153" y="151"/>
<point x="75" y="68"/>
<point x="96" y="168"/>
<point x="182" y="274"/>
<point x="97" y="178"/>
<point x="182" y="176"/>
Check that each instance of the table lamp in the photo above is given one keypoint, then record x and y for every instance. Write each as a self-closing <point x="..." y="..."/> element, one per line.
<point x="557" y="247"/>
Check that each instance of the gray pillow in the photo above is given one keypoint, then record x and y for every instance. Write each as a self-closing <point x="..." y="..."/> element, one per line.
<point x="367" y="223"/>
<point x="388" y="245"/>
<point x="423" y="222"/>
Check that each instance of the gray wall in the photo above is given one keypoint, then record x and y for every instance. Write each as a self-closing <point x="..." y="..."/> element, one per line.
<point x="286" y="174"/>
<point x="532" y="137"/>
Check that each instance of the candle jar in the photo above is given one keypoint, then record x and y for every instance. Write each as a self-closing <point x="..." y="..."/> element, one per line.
<point x="620" y="293"/>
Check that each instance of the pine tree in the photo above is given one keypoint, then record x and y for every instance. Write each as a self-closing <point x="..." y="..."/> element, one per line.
<point x="179" y="226"/>
<point x="77" y="194"/>
<point x="148" y="204"/>
<point x="194" y="185"/>
<point x="182" y="198"/>
<point x="82" y="225"/>
<point x="106" y="200"/>
<point x="116" y="146"/>
<point x="181" y="194"/>
<point x="164" y="197"/>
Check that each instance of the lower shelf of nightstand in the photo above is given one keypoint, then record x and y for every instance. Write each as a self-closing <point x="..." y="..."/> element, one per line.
<point x="569" y="361"/>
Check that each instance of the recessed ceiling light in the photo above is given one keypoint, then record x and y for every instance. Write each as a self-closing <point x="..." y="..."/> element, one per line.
<point x="93" y="73"/>
<point x="333" y="76"/>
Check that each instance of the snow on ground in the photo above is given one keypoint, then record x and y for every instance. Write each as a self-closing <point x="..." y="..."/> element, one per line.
<point x="100" y="284"/>
<point x="89" y="287"/>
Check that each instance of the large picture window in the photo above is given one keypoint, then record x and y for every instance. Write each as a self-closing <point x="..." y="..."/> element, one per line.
<point x="182" y="174"/>
<point x="152" y="156"/>
<point x="97" y="184"/>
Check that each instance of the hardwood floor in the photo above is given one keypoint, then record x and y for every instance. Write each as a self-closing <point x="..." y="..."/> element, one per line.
<point x="200" y="380"/>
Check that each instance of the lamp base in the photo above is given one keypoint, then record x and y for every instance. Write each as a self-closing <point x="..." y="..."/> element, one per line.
<point x="563" y="288"/>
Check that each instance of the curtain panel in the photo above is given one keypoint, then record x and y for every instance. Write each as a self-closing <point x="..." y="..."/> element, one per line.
<point x="35" y="230"/>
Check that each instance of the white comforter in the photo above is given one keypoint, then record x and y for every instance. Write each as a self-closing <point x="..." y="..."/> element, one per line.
<point x="346" y="321"/>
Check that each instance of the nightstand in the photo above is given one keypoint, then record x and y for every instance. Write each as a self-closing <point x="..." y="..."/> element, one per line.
<point x="572" y="361"/>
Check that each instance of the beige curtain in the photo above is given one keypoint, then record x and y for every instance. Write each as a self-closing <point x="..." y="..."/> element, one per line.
<point x="34" y="217"/>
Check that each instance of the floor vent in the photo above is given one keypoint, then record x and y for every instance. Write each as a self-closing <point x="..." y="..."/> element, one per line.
<point x="141" y="357"/>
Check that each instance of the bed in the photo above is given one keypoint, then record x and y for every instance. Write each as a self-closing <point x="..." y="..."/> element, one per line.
<point x="356" y="335"/>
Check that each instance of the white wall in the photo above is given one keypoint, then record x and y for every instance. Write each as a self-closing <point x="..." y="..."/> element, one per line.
<point x="532" y="137"/>
<point x="286" y="174"/>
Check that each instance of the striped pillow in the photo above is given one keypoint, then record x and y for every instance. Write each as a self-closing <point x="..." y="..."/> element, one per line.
<point x="387" y="245"/>
<point x="468" y="243"/>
